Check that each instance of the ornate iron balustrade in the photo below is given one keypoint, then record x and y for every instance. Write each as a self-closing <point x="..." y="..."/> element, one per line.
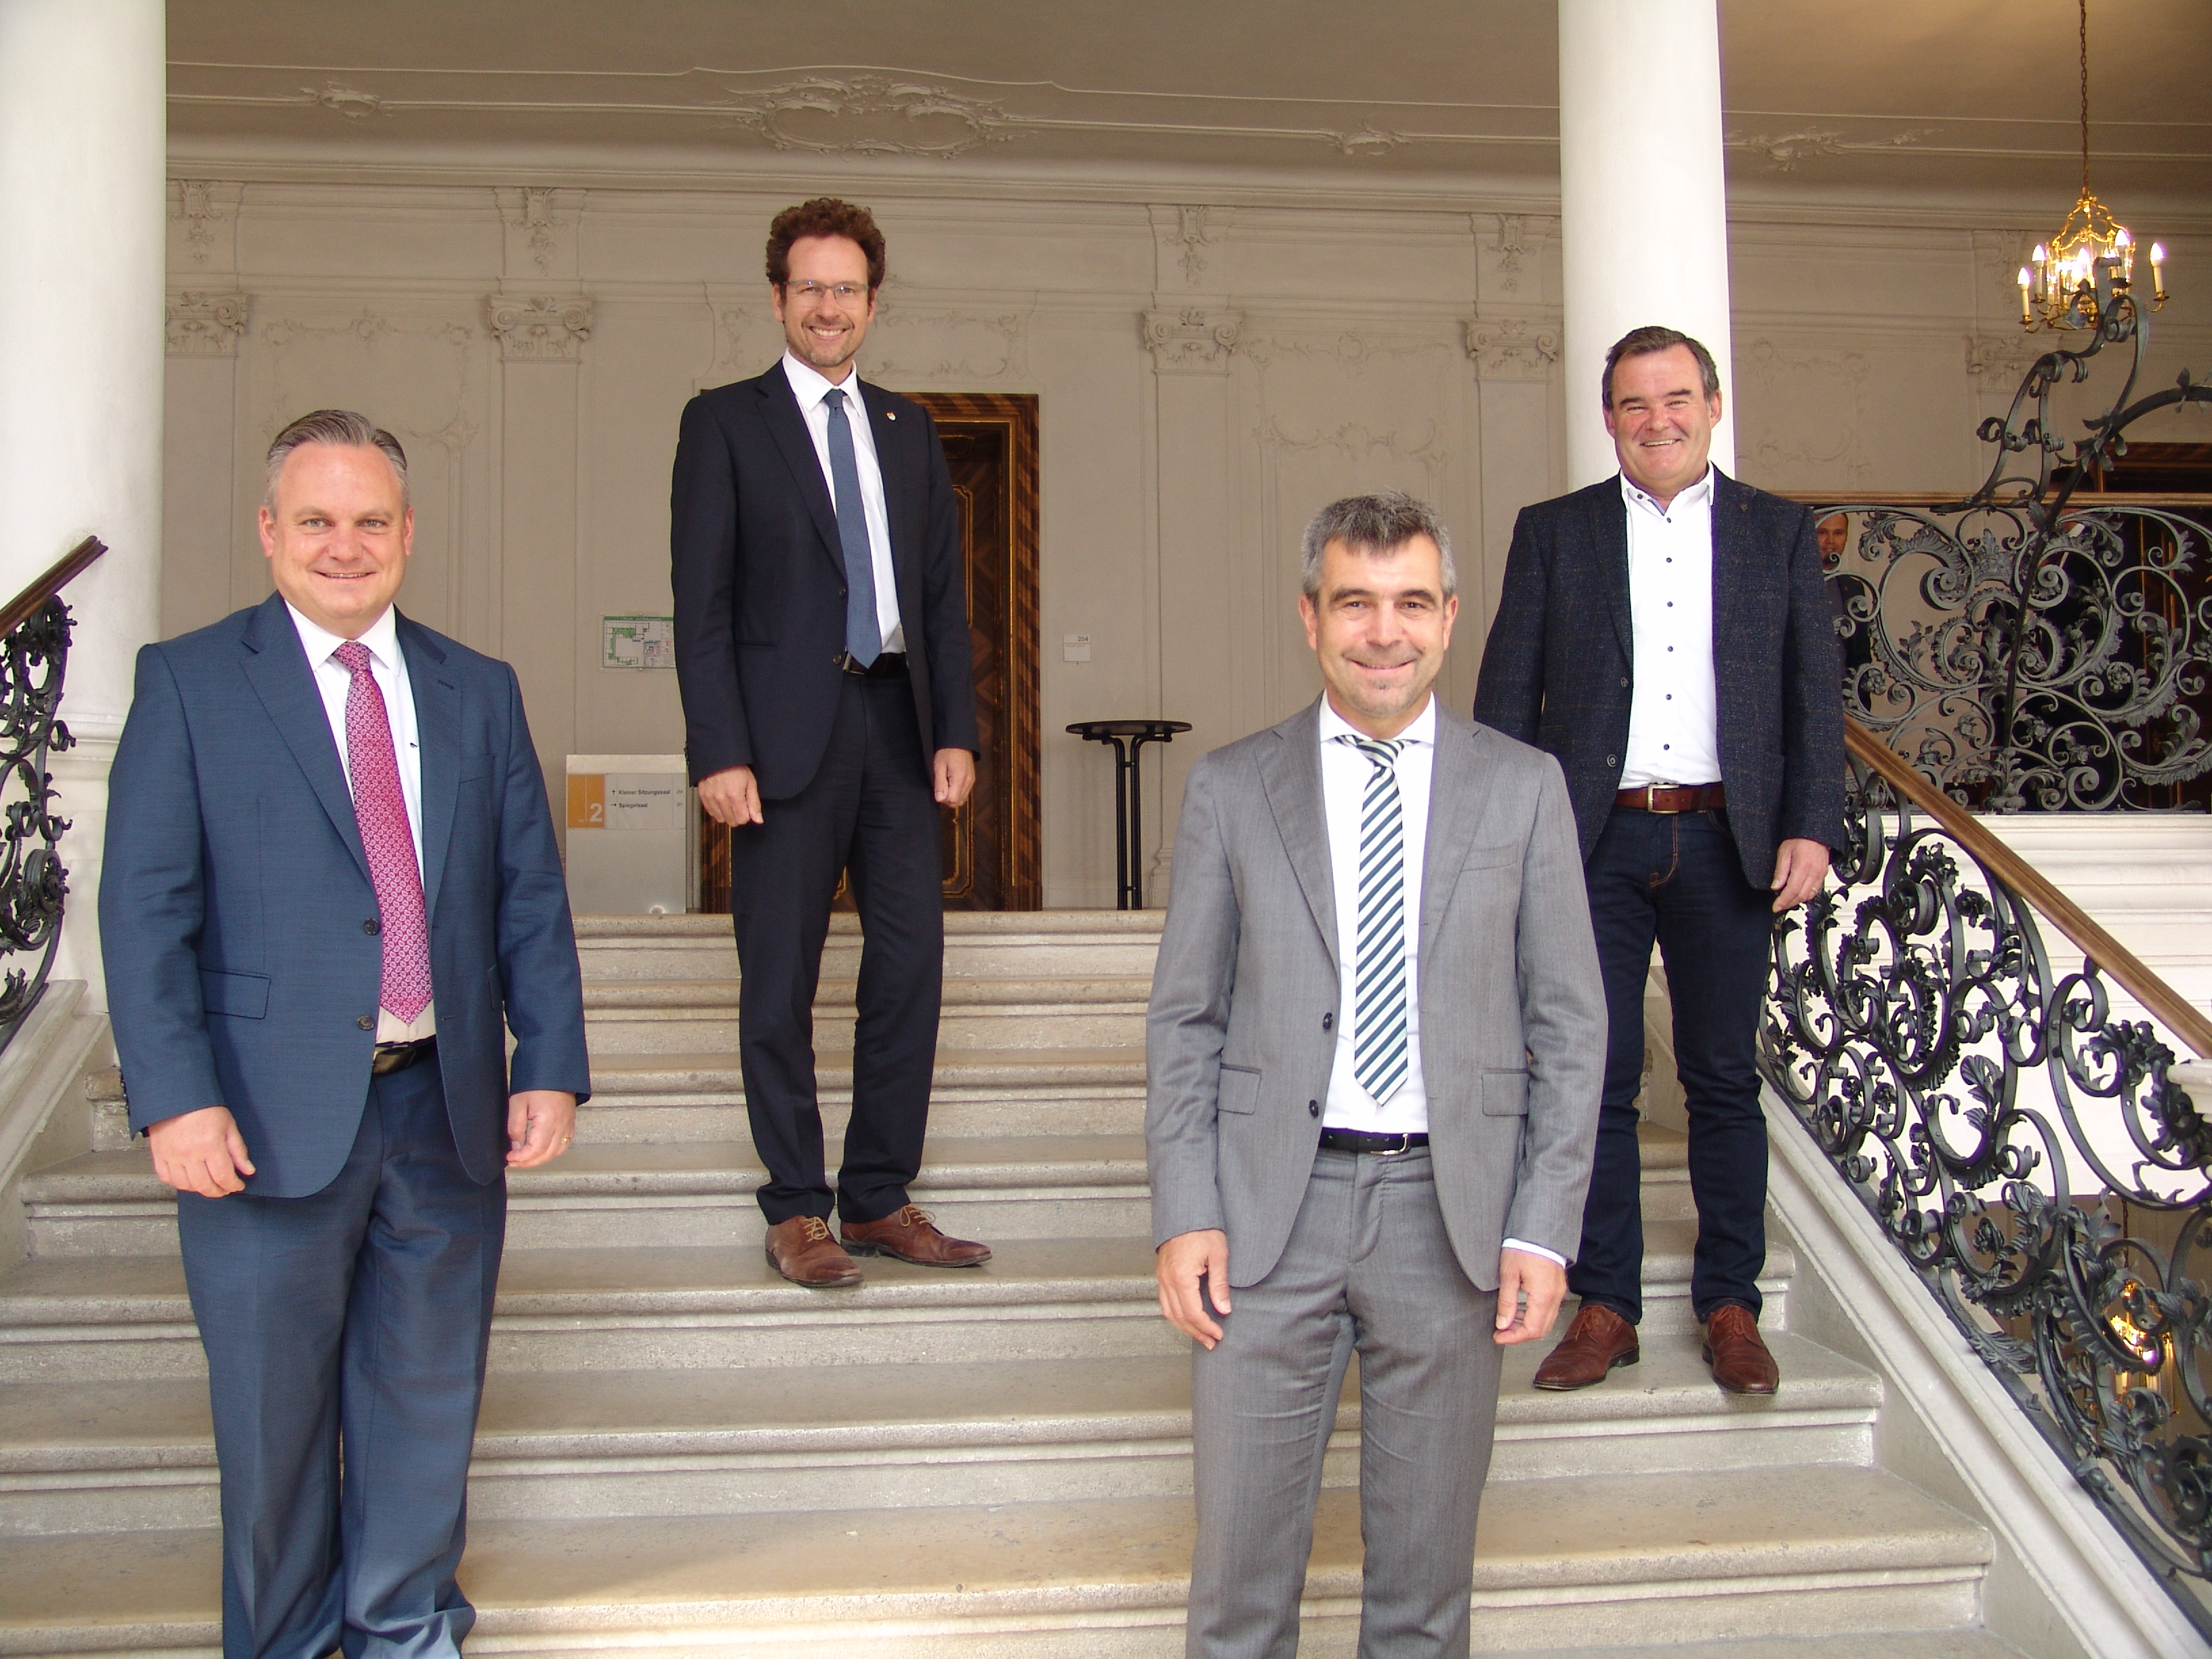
<point x="2025" y="653"/>
<point x="1994" y="1112"/>
<point x="34" y="639"/>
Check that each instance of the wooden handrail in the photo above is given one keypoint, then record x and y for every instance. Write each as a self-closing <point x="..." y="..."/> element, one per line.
<point x="64" y="571"/>
<point x="2168" y="1006"/>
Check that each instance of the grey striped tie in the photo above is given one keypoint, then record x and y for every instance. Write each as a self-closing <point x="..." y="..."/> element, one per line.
<point x="1378" y="983"/>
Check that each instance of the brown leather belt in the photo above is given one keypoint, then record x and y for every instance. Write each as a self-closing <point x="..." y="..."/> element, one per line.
<point x="886" y="664"/>
<point x="398" y="1056"/>
<point x="1668" y="797"/>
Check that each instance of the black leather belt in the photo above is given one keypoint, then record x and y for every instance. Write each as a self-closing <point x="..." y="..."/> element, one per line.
<point x="1358" y="1140"/>
<point x="398" y="1056"/>
<point x="882" y="668"/>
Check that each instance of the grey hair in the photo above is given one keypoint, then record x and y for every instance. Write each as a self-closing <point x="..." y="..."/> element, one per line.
<point x="334" y="426"/>
<point x="1374" y="524"/>
<point x="1641" y="341"/>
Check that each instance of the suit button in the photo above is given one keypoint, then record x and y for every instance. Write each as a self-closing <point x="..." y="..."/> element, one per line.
<point x="1612" y="760"/>
<point x="1326" y="1021"/>
<point x="1313" y="1109"/>
<point x="366" y="1021"/>
<point x="1624" y="686"/>
<point x="369" y="927"/>
<point x="842" y="593"/>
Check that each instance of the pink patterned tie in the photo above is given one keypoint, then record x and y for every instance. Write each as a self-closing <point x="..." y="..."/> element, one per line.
<point x="381" y="811"/>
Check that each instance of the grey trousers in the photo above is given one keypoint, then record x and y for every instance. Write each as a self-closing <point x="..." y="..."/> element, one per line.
<point x="1368" y="1268"/>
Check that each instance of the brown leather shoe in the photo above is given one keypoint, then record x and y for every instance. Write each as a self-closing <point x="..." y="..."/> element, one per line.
<point x="911" y="1236"/>
<point x="802" y="1250"/>
<point x="1740" y="1360"/>
<point x="1598" y="1341"/>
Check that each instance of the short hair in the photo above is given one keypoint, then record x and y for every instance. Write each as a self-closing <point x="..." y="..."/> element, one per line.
<point x="826" y="216"/>
<point x="1372" y="524"/>
<point x="341" y="426"/>
<point x="1642" y="342"/>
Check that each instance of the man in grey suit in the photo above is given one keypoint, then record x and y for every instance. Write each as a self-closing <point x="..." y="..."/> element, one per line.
<point x="1374" y="1048"/>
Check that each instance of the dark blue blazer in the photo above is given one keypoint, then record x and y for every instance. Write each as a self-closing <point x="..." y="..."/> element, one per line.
<point x="237" y="916"/>
<point x="1557" y="669"/>
<point x="759" y="579"/>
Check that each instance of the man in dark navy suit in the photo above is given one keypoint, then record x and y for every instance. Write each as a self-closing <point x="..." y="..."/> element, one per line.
<point x="823" y="652"/>
<point x="1667" y="635"/>
<point x="330" y="888"/>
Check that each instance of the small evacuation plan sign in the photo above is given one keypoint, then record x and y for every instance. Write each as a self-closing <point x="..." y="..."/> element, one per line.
<point x="638" y="642"/>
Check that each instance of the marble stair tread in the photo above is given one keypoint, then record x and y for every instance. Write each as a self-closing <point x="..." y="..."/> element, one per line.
<point x="1858" y="1644"/>
<point x="959" y="992"/>
<point x="673" y="1279"/>
<point x="1583" y="1537"/>
<point x="676" y="1168"/>
<point x="162" y="1423"/>
<point x="958" y="923"/>
<point x="629" y="1075"/>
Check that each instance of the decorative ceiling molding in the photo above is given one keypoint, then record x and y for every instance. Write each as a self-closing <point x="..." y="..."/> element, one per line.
<point x="205" y="325"/>
<point x="940" y="123"/>
<point x="1787" y="152"/>
<point x="1192" y="341"/>
<point x="1513" y="347"/>
<point x="347" y="102"/>
<point x="204" y="207"/>
<point x="539" y="329"/>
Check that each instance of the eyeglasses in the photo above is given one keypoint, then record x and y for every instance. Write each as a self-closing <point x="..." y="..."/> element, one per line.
<point x="813" y="293"/>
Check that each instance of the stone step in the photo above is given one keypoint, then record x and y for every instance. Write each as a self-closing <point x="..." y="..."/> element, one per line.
<point x="684" y="1192"/>
<point x="632" y="1017"/>
<point x="1081" y="943"/>
<point x="1753" y="1552"/>
<point x="1963" y="1643"/>
<point x="105" y="1318"/>
<point x="117" y="1455"/>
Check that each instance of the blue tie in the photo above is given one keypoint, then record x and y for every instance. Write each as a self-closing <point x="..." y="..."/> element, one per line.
<point x="1379" y="1047"/>
<point x="864" y="640"/>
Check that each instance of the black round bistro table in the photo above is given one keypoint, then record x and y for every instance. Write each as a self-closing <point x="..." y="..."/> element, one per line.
<point x="1129" y="738"/>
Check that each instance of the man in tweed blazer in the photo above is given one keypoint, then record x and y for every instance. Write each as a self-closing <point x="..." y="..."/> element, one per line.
<point x="1666" y="634"/>
<point x="1374" y="1053"/>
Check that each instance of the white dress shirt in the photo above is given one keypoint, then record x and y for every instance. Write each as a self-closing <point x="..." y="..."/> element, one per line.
<point x="1672" y="734"/>
<point x="387" y="666"/>
<point x="809" y="386"/>
<point x="1344" y="775"/>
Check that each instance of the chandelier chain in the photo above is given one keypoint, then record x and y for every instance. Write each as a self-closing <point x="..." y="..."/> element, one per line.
<point x="2084" y="97"/>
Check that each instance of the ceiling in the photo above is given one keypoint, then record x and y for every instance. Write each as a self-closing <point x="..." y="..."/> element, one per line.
<point x="1876" y="98"/>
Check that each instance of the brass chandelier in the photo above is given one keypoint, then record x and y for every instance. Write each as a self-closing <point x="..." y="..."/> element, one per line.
<point x="2073" y="281"/>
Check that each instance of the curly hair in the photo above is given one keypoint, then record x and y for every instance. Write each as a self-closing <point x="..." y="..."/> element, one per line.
<point x="826" y="216"/>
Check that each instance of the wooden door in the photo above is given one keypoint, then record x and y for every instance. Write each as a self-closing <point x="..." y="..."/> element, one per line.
<point x="993" y="856"/>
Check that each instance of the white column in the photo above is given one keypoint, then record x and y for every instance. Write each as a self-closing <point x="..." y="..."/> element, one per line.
<point x="84" y="164"/>
<point x="1643" y="202"/>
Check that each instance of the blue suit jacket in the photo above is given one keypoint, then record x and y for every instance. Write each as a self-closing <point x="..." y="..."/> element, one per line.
<point x="237" y="916"/>
<point x="1556" y="671"/>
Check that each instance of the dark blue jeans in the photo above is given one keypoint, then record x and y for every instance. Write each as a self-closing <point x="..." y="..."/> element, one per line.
<point x="1676" y="876"/>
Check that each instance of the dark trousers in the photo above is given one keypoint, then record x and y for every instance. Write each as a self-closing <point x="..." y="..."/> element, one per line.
<point x="345" y="1336"/>
<point x="1677" y="877"/>
<point x="870" y="814"/>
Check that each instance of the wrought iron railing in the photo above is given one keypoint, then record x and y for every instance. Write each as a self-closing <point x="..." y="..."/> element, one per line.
<point x="2005" y="1127"/>
<point x="34" y="640"/>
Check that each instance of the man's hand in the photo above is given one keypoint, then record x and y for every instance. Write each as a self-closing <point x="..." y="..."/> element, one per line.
<point x="954" y="775"/>
<point x="731" y="796"/>
<point x="1799" y="865"/>
<point x="1190" y="1267"/>
<point x="1542" y="1282"/>
<point x="200" y="1152"/>
<point x="539" y="1125"/>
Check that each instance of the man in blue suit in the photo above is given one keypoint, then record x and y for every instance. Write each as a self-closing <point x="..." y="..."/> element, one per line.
<point x="331" y="887"/>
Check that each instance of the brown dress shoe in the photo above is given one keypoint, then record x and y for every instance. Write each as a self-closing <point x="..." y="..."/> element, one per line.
<point x="1740" y="1360"/>
<point x="911" y="1236"/>
<point x="802" y="1250"/>
<point x="1598" y="1341"/>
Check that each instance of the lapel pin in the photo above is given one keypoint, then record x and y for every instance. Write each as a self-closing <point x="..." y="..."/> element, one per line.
<point x="890" y="414"/>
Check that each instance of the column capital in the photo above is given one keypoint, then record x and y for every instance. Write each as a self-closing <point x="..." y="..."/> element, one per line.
<point x="1513" y="347"/>
<point x="1195" y="340"/>
<point x="540" y="328"/>
<point x="202" y="325"/>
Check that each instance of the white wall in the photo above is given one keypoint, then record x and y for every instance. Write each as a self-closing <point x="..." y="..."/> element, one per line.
<point x="1205" y="381"/>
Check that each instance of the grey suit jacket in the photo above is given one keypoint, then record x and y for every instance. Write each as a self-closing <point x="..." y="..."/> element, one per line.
<point x="1240" y="1039"/>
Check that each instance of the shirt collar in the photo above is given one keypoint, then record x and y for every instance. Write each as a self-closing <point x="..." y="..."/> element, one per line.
<point x="381" y="637"/>
<point x="1699" y="494"/>
<point x="1423" y="730"/>
<point x="810" y="385"/>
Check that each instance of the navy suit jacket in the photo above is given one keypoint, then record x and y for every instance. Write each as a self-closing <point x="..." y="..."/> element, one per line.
<point x="1558" y="668"/>
<point x="759" y="579"/>
<point x="237" y="916"/>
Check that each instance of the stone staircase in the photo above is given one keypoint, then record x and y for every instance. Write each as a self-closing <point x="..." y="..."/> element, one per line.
<point x="680" y="1452"/>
